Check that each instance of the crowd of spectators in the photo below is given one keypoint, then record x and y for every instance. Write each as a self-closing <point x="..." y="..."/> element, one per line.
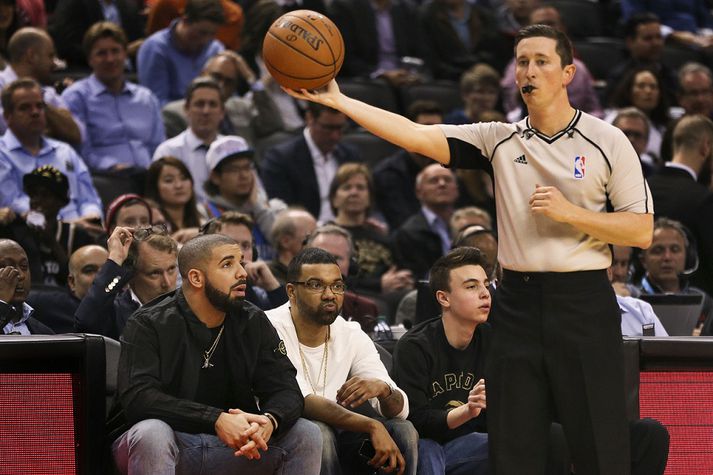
<point x="129" y="130"/>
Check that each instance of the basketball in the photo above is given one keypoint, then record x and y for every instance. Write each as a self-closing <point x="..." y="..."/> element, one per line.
<point x="303" y="50"/>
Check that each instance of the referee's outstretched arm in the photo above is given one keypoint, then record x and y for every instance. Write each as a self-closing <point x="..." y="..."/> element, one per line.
<point x="427" y="140"/>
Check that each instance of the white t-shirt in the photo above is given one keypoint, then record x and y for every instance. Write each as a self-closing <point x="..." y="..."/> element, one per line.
<point x="351" y="353"/>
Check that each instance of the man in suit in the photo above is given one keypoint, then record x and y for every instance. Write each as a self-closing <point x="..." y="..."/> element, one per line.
<point x="300" y="171"/>
<point x="379" y="34"/>
<point x="679" y="196"/>
<point x="424" y="237"/>
<point x="141" y="266"/>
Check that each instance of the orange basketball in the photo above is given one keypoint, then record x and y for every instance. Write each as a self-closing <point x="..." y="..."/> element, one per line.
<point x="303" y="50"/>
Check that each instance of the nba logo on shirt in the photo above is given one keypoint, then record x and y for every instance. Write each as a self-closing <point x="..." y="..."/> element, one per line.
<point x="579" y="167"/>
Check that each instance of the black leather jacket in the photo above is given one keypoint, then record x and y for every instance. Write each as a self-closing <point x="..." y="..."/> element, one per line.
<point x="161" y="357"/>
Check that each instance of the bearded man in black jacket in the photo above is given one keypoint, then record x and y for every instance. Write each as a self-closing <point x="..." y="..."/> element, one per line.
<point x="204" y="382"/>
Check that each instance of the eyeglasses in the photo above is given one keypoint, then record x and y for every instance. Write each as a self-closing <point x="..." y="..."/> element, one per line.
<point x="143" y="233"/>
<point x="318" y="287"/>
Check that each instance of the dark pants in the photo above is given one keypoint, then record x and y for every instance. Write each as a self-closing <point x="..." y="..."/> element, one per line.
<point x="649" y="449"/>
<point x="556" y="356"/>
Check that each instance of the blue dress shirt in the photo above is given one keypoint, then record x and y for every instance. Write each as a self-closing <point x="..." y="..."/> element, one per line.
<point x="49" y="94"/>
<point x="635" y="314"/>
<point x="122" y="129"/>
<point x="16" y="162"/>
<point x="166" y="70"/>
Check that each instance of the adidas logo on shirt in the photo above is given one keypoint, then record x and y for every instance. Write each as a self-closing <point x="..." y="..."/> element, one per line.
<point x="521" y="159"/>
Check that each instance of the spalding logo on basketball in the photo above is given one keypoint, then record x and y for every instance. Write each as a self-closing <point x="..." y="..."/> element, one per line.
<point x="303" y="50"/>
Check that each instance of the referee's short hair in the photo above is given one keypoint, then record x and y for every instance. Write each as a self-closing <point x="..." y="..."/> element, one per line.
<point x="441" y="270"/>
<point x="563" y="47"/>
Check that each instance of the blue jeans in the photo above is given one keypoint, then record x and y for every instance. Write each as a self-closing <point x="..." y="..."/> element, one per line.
<point x="467" y="454"/>
<point x="151" y="447"/>
<point x="343" y="447"/>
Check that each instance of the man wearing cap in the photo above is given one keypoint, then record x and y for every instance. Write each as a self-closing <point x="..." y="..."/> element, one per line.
<point x="205" y="110"/>
<point x="15" y="314"/>
<point x="233" y="185"/>
<point x="24" y="148"/>
<point x="141" y="266"/>
<point x="48" y="240"/>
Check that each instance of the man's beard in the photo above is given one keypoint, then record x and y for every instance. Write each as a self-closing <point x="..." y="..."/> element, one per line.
<point x="222" y="301"/>
<point x="319" y="315"/>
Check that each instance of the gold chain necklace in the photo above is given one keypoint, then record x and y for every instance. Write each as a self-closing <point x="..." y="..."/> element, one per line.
<point x="323" y="364"/>
<point x="208" y="354"/>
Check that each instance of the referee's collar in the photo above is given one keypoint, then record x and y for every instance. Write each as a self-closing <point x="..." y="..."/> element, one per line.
<point x="568" y="130"/>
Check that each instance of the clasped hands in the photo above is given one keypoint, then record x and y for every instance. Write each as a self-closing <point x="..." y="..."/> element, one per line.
<point x="247" y="433"/>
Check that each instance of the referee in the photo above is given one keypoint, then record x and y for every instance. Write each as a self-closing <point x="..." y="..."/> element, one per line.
<point x="567" y="185"/>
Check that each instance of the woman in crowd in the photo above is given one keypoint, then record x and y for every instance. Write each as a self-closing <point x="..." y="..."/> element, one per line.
<point x="351" y="194"/>
<point x="641" y="88"/>
<point x="170" y="185"/>
<point x="129" y="210"/>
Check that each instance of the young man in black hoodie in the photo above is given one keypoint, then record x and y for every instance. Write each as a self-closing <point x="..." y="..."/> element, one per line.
<point x="439" y="364"/>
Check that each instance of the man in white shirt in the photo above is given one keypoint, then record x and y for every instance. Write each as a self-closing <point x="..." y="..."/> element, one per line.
<point x="339" y="369"/>
<point x="205" y="109"/>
